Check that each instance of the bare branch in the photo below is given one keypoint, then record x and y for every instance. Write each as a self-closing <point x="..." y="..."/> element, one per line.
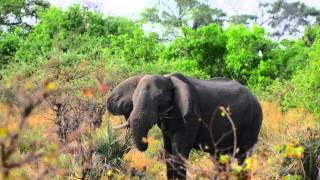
<point x="233" y="129"/>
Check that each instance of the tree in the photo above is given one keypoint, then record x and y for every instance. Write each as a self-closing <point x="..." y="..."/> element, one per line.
<point x="204" y="47"/>
<point x="242" y="19"/>
<point x="172" y="14"/>
<point x="248" y="55"/>
<point x="281" y="17"/>
<point x="204" y="15"/>
<point x="289" y="18"/>
<point x="21" y="13"/>
<point x="9" y="43"/>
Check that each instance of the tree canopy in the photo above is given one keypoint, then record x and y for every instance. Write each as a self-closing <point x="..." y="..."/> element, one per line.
<point x="172" y="14"/>
<point x="21" y="13"/>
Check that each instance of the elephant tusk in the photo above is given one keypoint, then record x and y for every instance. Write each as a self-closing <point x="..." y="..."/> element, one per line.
<point x="124" y="125"/>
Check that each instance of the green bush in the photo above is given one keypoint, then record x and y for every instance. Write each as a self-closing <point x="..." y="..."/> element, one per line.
<point x="306" y="84"/>
<point x="38" y="44"/>
<point x="248" y="54"/>
<point x="290" y="56"/>
<point x="77" y="38"/>
<point x="135" y="48"/>
<point x="204" y="47"/>
<point x="188" y="67"/>
<point x="9" y="43"/>
<point x="110" y="148"/>
<point x="73" y="30"/>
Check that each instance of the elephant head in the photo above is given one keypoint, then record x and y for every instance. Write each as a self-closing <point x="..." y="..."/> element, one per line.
<point x="120" y="100"/>
<point x="153" y="94"/>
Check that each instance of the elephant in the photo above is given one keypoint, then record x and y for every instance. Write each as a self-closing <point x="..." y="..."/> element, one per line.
<point x="188" y="112"/>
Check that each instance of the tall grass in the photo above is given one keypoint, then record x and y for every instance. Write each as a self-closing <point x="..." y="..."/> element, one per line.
<point x="111" y="147"/>
<point x="104" y="152"/>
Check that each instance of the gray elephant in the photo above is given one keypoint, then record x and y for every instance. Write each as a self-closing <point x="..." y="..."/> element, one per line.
<point x="187" y="111"/>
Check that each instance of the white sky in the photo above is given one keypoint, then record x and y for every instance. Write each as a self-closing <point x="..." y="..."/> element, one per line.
<point x="132" y="8"/>
<point x="127" y="8"/>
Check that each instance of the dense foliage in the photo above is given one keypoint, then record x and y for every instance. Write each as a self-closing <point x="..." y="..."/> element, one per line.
<point x="84" y="53"/>
<point x="248" y="55"/>
<point x="20" y="13"/>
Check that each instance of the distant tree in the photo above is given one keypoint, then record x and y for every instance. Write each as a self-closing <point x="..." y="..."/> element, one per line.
<point x="15" y="13"/>
<point x="172" y="14"/>
<point x="204" y="15"/>
<point x="281" y="17"/>
<point x="242" y="19"/>
<point x="289" y="18"/>
<point x="311" y="33"/>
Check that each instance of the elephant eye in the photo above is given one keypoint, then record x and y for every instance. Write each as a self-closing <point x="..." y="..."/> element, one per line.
<point x="164" y="91"/>
<point x="165" y="97"/>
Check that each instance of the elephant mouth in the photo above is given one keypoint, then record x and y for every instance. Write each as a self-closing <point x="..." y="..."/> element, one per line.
<point x="143" y="147"/>
<point x="141" y="142"/>
<point x="139" y="132"/>
<point x="140" y="139"/>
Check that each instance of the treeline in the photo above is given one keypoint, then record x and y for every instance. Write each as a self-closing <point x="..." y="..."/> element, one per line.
<point x="287" y="70"/>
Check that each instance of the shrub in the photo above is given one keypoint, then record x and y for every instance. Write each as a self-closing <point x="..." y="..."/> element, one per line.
<point x="133" y="48"/>
<point x="188" y="67"/>
<point x="73" y="114"/>
<point x="110" y="150"/>
<point x="9" y="43"/>
<point x="306" y="87"/>
<point x="305" y="83"/>
<point x="248" y="52"/>
<point x="204" y="47"/>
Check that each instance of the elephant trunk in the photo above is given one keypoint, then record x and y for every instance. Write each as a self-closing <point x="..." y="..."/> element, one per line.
<point x="139" y="135"/>
<point x="140" y="124"/>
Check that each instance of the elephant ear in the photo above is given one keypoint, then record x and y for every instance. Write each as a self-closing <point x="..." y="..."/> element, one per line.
<point x="124" y="90"/>
<point x="185" y="97"/>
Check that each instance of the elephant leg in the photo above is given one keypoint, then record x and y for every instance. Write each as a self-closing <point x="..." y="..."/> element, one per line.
<point x="180" y="150"/>
<point x="246" y="141"/>
<point x="178" y="165"/>
<point x="167" y="156"/>
<point x="173" y="162"/>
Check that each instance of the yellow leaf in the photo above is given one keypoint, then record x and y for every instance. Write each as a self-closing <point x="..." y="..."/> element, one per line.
<point x="51" y="86"/>
<point x="235" y="167"/>
<point x="109" y="173"/>
<point x="289" y="151"/>
<point x="3" y="132"/>
<point x="251" y="163"/>
<point x="223" y="159"/>
<point x="277" y="148"/>
<point x="27" y="85"/>
<point x="298" y="152"/>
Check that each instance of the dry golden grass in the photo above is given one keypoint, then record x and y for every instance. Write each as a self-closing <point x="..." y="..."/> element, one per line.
<point x="115" y="120"/>
<point x="203" y="165"/>
<point x="278" y="129"/>
<point x="10" y="115"/>
<point x="44" y="118"/>
<point x="282" y="128"/>
<point x="138" y="160"/>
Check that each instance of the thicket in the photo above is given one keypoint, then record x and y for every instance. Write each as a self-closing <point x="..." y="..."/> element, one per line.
<point x="82" y="44"/>
<point x="74" y="49"/>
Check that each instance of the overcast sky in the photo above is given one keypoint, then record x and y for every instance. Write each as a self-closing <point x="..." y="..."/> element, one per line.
<point x="132" y="8"/>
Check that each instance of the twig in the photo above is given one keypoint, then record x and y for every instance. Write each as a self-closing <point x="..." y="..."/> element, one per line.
<point x="233" y="129"/>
